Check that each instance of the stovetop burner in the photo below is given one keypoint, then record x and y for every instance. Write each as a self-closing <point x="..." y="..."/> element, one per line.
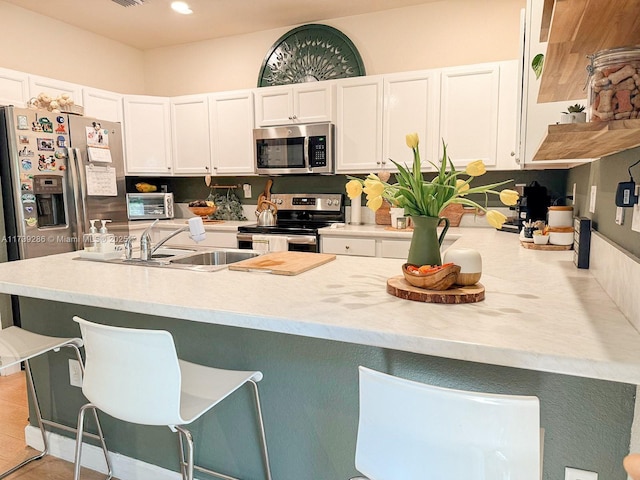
<point x="303" y="214"/>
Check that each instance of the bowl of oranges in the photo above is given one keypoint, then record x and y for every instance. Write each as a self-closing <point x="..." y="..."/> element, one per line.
<point x="431" y="277"/>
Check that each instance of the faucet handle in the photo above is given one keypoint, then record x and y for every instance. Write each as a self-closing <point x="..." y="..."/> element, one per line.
<point x="128" y="247"/>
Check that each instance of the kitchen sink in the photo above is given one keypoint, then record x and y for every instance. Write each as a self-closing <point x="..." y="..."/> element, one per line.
<point x="218" y="257"/>
<point x="210" y="260"/>
<point x="168" y="252"/>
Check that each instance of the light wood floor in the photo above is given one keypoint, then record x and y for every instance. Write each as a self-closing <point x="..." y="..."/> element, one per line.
<point x="14" y="415"/>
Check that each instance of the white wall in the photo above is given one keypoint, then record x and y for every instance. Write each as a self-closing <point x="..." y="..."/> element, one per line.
<point x="434" y="34"/>
<point x="437" y="34"/>
<point x="36" y="44"/>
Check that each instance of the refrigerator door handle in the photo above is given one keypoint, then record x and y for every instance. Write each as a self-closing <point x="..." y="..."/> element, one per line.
<point x="77" y="191"/>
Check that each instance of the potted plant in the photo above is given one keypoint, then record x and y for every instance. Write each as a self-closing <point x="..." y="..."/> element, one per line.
<point x="574" y="114"/>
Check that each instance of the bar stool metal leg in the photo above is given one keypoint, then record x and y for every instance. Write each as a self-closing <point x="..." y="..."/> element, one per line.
<point x="42" y="422"/>
<point x="100" y="436"/>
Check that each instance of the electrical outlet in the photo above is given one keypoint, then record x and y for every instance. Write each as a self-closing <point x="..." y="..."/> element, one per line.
<point x="619" y="215"/>
<point x="75" y="373"/>
<point x="575" y="474"/>
<point x="592" y="199"/>
<point x="246" y="188"/>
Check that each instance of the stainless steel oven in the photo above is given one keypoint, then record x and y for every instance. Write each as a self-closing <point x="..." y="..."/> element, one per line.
<point x="299" y="217"/>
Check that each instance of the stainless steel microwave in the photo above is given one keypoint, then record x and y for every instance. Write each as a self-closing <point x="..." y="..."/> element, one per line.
<point x="303" y="149"/>
<point x="147" y="206"/>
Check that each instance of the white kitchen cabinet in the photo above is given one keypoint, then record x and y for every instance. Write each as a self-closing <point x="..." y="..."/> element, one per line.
<point x="364" y="247"/>
<point x="191" y="153"/>
<point x="411" y="104"/>
<point x="299" y="103"/>
<point x="359" y="125"/>
<point x="102" y="104"/>
<point x="54" y="88"/>
<point x="392" y="248"/>
<point x="469" y="101"/>
<point x="231" y="124"/>
<point x="147" y="127"/>
<point x="508" y="117"/>
<point x="369" y="246"/>
<point x="14" y="88"/>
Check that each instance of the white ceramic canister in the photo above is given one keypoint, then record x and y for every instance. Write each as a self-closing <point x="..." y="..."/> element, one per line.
<point x="561" y="235"/>
<point x="470" y="263"/>
<point x="560" y="216"/>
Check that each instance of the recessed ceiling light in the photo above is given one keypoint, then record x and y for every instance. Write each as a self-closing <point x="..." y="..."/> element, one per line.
<point x="181" y="7"/>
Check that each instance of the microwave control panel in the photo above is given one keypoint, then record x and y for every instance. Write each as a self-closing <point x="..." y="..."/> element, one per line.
<point x="318" y="151"/>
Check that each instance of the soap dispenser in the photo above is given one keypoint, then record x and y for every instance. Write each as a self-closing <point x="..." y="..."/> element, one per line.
<point x="90" y="239"/>
<point x="106" y="240"/>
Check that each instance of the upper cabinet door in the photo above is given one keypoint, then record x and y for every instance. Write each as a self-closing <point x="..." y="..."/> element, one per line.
<point x="54" y="88"/>
<point x="274" y="106"/>
<point x="313" y="102"/>
<point x="14" y="88"/>
<point x="147" y="125"/>
<point x="190" y="135"/>
<point x="300" y="103"/>
<point x="102" y="104"/>
<point x="469" y="113"/>
<point x="231" y="124"/>
<point x="359" y="125"/>
<point x="411" y="105"/>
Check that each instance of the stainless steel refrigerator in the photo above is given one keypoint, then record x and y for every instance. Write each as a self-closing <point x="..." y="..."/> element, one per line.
<point x="58" y="172"/>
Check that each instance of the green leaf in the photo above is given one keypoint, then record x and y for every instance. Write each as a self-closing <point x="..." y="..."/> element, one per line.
<point x="537" y="64"/>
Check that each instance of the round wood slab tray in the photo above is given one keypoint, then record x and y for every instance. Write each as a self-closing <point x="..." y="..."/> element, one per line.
<point x="533" y="246"/>
<point x="399" y="287"/>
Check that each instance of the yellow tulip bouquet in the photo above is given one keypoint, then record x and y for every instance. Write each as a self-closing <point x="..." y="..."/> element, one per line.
<point x="421" y="198"/>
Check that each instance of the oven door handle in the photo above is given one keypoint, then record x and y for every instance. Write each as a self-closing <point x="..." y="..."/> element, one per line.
<point x="293" y="239"/>
<point x="302" y="239"/>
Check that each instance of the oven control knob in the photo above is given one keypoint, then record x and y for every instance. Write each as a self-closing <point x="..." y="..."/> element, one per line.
<point x="329" y="202"/>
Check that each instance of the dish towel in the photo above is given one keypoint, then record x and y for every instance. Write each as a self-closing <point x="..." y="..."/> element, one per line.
<point x="260" y="243"/>
<point x="278" y="243"/>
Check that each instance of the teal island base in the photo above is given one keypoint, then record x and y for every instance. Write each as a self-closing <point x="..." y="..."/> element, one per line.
<point x="310" y="399"/>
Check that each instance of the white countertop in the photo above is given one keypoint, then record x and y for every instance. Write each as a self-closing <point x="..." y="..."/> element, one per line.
<point x="540" y="312"/>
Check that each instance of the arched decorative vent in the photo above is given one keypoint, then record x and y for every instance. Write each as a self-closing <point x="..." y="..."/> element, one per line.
<point x="310" y="53"/>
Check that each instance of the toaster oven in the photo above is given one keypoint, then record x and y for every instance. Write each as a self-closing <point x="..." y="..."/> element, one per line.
<point x="149" y="206"/>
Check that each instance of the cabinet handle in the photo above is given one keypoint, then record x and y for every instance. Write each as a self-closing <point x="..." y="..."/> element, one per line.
<point x="378" y="162"/>
<point x="294" y="117"/>
<point x="513" y="154"/>
<point x="290" y="117"/>
<point x="206" y="167"/>
<point x="346" y="247"/>
<point x="168" y="168"/>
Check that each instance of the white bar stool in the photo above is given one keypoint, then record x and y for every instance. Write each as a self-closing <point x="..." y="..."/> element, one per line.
<point x="18" y="345"/>
<point x="412" y="431"/>
<point x="135" y="375"/>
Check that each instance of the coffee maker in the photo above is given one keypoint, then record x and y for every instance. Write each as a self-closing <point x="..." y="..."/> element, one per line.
<point x="533" y="205"/>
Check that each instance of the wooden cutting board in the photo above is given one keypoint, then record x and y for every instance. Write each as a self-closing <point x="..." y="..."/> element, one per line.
<point x="283" y="263"/>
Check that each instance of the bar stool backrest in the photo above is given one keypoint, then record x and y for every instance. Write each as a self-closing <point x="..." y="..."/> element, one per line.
<point x="412" y="431"/>
<point x="132" y="374"/>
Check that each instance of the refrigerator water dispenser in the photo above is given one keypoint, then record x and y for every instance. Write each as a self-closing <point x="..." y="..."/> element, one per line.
<point x="49" y="200"/>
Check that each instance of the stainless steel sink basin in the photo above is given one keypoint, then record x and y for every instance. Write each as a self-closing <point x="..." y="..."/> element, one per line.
<point x="188" y="259"/>
<point x="168" y="252"/>
<point x="218" y="257"/>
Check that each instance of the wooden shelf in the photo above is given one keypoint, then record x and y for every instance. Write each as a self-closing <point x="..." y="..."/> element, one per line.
<point x="589" y="140"/>
<point x="580" y="28"/>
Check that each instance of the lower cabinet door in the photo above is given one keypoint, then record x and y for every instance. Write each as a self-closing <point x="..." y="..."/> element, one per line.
<point x="364" y="247"/>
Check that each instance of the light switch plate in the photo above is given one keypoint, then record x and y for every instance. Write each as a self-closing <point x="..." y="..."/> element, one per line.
<point x="592" y="199"/>
<point x="635" y="221"/>
<point x="575" y="474"/>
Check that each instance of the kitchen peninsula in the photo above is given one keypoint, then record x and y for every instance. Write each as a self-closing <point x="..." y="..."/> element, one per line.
<point x="545" y="328"/>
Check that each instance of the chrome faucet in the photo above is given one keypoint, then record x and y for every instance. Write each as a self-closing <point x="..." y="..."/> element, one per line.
<point x="195" y="226"/>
